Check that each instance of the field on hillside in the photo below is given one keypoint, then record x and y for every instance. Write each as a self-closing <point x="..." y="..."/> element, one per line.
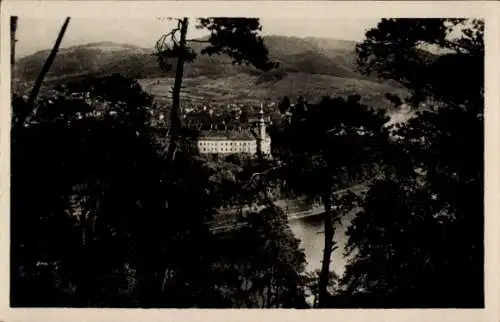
<point x="309" y="67"/>
<point x="243" y="88"/>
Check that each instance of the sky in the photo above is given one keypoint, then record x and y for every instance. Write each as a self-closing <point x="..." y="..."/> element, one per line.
<point x="34" y="34"/>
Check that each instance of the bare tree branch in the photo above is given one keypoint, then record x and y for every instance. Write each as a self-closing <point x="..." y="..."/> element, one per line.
<point x="162" y="43"/>
<point x="262" y="174"/>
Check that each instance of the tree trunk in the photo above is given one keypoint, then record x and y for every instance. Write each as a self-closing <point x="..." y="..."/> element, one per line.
<point x="269" y="291"/>
<point x="13" y="28"/>
<point x="48" y="63"/>
<point x="156" y="283"/>
<point x="175" y="121"/>
<point x="327" y="251"/>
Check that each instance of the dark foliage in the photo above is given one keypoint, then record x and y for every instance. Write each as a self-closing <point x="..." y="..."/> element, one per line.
<point x="418" y="242"/>
<point x="285" y="105"/>
<point x="316" y="134"/>
<point x="73" y="205"/>
<point x="327" y="147"/>
<point x="262" y="265"/>
<point x="237" y="38"/>
<point x="419" y="54"/>
<point x="94" y="223"/>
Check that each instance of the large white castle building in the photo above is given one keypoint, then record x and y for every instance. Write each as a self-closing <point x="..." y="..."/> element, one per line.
<point x="241" y="141"/>
<point x="231" y="142"/>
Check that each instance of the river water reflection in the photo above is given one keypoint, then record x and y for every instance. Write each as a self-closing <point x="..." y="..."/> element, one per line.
<point x="310" y="232"/>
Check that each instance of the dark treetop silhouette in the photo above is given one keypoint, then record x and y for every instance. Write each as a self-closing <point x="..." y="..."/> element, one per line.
<point x="418" y="241"/>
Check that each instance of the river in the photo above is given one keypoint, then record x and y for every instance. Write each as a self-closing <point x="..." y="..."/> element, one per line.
<point x="310" y="231"/>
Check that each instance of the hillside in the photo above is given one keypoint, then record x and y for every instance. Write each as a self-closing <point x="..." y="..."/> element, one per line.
<point x="242" y="88"/>
<point x="308" y="67"/>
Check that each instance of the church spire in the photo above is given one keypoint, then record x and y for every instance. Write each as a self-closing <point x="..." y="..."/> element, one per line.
<point x="261" y="130"/>
<point x="262" y="123"/>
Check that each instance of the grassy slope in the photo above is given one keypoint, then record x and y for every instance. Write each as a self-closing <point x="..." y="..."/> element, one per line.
<point x="243" y="88"/>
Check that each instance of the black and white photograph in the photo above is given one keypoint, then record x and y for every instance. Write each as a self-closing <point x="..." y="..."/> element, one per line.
<point x="247" y="162"/>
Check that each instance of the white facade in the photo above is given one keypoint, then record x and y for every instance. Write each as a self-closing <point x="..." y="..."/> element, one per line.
<point x="228" y="146"/>
<point x="237" y="144"/>
<point x="266" y="145"/>
<point x="233" y="142"/>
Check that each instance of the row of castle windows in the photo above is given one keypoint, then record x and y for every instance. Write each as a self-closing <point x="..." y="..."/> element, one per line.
<point x="226" y="143"/>
<point x="225" y="150"/>
<point x="266" y="149"/>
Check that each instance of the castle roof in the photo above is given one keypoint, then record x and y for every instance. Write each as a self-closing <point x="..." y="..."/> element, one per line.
<point x="231" y="135"/>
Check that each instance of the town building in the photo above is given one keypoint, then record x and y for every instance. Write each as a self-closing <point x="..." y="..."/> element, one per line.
<point x="239" y="140"/>
<point x="230" y="142"/>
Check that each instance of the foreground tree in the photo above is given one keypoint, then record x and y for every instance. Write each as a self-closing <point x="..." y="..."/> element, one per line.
<point x="235" y="37"/>
<point x="71" y="162"/>
<point x="24" y="109"/>
<point x="13" y="29"/>
<point x="90" y="226"/>
<point x="101" y="235"/>
<point x="262" y="265"/>
<point x="328" y="147"/>
<point x="257" y="262"/>
<point x="418" y="242"/>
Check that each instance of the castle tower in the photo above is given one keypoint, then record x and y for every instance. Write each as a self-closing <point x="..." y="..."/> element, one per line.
<point x="261" y="123"/>
<point x="261" y="131"/>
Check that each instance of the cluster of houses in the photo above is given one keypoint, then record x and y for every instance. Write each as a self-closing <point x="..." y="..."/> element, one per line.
<point x="228" y="129"/>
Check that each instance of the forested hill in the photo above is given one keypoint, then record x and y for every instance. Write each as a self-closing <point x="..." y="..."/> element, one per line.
<point x="329" y="64"/>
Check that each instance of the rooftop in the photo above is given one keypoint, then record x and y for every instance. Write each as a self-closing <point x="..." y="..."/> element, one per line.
<point x="243" y="135"/>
